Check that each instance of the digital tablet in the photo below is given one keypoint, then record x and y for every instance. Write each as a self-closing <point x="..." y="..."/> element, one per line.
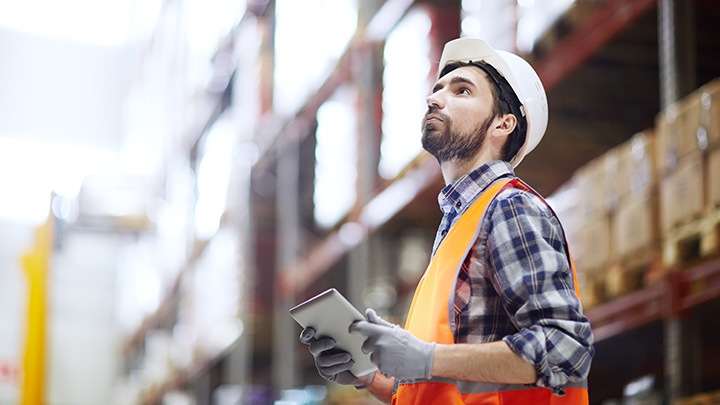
<point x="331" y="314"/>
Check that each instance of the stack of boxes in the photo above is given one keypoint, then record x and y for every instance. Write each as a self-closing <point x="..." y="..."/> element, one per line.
<point x="617" y="244"/>
<point x="709" y="111"/>
<point x="596" y="201"/>
<point x="648" y="205"/>
<point x="635" y="237"/>
<point x="688" y="152"/>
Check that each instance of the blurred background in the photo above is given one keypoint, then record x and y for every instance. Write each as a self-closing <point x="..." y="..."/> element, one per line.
<point x="176" y="174"/>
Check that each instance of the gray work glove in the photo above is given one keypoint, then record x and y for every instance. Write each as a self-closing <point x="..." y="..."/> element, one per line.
<point x="333" y="364"/>
<point x="395" y="351"/>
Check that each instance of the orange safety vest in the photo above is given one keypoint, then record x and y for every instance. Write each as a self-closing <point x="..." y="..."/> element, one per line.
<point x="428" y="320"/>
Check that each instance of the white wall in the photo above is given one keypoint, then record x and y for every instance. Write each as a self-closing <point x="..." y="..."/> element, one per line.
<point x="62" y="91"/>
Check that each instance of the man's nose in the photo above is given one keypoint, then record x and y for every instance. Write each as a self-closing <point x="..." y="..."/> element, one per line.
<point x="434" y="101"/>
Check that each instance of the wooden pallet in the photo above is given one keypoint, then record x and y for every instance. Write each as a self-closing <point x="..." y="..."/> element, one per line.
<point x="693" y="240"/>
<point x="625" y="275"/>
<point x="634" y="271"/>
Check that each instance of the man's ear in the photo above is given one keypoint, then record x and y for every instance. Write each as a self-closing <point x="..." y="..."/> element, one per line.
<point x="505" y="125"/>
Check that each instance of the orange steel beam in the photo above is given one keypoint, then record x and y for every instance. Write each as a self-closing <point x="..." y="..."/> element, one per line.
<point x="588" y="38"/>
<point x="699" y="284"/>
<point x="681" y="290"/>
<point x="628" y="312"/>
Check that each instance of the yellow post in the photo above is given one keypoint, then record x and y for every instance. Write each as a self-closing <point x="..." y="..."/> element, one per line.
<point x="36" y="265"/>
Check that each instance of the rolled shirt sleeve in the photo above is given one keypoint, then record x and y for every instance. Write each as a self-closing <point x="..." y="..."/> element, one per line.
<point x="531" y="273"/>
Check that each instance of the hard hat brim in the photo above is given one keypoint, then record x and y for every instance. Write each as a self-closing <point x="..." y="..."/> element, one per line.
<point x="474" y="49"/>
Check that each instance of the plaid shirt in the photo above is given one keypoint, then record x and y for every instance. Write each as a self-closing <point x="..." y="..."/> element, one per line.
<point x="516" y="283"/>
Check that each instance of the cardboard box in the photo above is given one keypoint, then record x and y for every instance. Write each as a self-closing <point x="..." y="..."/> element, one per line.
<point x="596" y="190"/>
<point x="594" y="247"/>
<point x="592" y="289"/>
<point x="672" y="142"/>
<point x="681" y="192"/>
<point x="709" y="114"/>
<point x="689" y="125"/>
<point x="565" y="202"/>
<point x="635" y="224"/>
<point x="637" y="165"/>
<point x="702" y="116"/>
<point x="611" y="162"/>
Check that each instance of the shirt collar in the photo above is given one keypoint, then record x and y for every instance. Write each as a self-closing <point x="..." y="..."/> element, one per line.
<point x="457" y="195"/>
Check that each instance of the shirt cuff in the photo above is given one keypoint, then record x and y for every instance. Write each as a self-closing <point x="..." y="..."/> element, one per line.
<point x="525" y="345"/>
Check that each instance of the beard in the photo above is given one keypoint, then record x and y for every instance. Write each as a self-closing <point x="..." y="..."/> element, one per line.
<point x="446" y="145"/>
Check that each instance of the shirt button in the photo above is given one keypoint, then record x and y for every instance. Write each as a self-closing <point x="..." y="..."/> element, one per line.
<point x="458" y="204"/>
<point x="443" y="232"/>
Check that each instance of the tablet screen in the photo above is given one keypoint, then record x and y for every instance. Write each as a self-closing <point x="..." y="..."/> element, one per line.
<point x="331" y="314"/>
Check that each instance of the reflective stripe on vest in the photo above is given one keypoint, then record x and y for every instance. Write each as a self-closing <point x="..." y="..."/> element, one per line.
<point x="429" y="320"/>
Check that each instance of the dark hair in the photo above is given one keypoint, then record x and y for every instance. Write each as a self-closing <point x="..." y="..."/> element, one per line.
<point x="501" y="105"/>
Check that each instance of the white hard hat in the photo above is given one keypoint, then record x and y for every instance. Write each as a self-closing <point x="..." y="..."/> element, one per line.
<point x="518" y="73"/>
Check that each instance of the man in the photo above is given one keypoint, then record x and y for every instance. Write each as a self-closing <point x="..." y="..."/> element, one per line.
<point x="496" y="318"/>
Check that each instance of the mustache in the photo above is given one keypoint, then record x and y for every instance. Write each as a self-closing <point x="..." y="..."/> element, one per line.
<point x="435" y="113"/>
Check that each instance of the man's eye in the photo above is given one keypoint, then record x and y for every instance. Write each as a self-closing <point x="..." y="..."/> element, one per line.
<point x="463" y="90"/>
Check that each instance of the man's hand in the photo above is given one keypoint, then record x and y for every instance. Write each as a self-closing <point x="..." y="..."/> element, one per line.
<point x="395" y="351"/>
<point x="333" y="364"/>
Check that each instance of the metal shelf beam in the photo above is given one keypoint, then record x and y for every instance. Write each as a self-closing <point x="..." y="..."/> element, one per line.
<point x="588" y="38"/>
<point x="679" y="292"/>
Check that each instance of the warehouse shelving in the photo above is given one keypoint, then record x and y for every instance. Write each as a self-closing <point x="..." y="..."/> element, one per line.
<point x="679" y="292"/>
<point x="639" y="327"/>
<point x="561" y="61"/>
<point x="580" y="60"/>
<point x="647" y="308"/>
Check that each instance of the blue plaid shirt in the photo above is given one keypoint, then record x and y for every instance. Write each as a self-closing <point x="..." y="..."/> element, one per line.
<point x="516" y="283"/>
